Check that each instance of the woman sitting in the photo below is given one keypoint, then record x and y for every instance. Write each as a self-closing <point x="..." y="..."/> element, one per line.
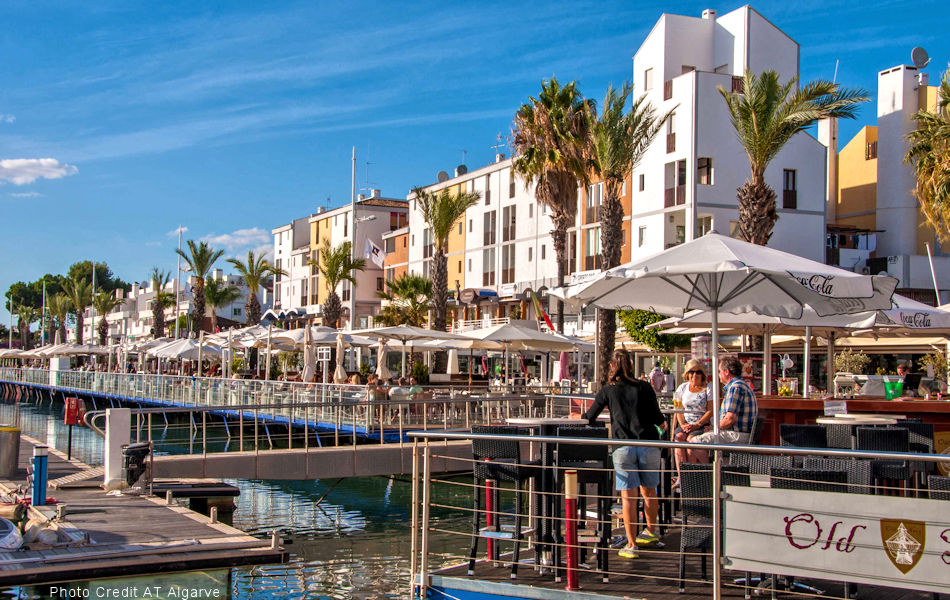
<point x="693" y="396"/>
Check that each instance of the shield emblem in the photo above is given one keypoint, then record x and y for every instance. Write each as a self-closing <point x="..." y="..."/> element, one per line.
<point x="904" y="542"/>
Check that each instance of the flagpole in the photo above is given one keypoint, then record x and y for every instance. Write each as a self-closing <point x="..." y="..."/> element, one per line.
<point x="43" y="317"/>
<point x="177" y="282"/>
<point x="353" y="249"/>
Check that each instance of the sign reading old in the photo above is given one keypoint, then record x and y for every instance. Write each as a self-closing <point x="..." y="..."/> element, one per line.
<point x="888" y="541"/>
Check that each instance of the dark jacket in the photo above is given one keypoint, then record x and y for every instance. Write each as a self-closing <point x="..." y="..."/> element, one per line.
<point x="634" y="410"/>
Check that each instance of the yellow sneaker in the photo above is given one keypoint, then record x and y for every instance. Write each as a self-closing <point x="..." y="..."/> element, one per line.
<point x="647" y="539"/>
<point x="628" y="552"/>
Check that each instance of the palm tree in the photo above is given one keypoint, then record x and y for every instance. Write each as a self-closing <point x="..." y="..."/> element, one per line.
<point x="930" y="155"/>
<point x="336" y="266"/>
<point x="442" y="211"/>
<point x="550" y="134"/>
<point x="79" y="293"/>
<point x="618" y="140"/>
<point x="161" y="301"/>
<point x="408" y="299"/>
<point x="104" y="303"/>
<point x="765" y="115"/>
<point x="26" y="316"/>
<point x="59" y="307"/>
<point x="254" y="272"/>
<point x="218" y="294"/>
<point x="199" y="258"/>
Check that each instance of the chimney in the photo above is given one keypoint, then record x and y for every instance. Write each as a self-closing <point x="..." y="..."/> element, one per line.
<point x="375" y="193"/>
<point x="923" y="79"/>
<point x="321" y="210"/>
<point x="709" y="14"/>
<point x="360" y="197"/>
<point x="217" y="274"/>
<point x="499" y="157"/>
<point x="135" y="290"/>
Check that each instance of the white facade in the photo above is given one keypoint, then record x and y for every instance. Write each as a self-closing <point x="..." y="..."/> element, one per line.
<point x="692" y="170"/>
<point x="292" y="253"/>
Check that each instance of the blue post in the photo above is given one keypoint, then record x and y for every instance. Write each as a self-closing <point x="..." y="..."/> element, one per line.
<point x="39" y="475"/>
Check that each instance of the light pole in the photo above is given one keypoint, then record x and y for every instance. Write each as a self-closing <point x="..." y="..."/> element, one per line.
<point x="177" y="283"/>
<point x="353" y="241"/>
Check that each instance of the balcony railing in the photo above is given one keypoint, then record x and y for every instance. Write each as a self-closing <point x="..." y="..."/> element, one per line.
<point x="670" y="142"/>
<point x="870" y="150"/>
<point x="738" y="85"/>
<point x="593" y="214"/>
<point x="592" y="263"/>
<point x="790" y="199"/>
<point x="674" y="196"/>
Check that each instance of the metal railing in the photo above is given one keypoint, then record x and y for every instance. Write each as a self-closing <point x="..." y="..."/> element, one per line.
<point x="541" y="535"/>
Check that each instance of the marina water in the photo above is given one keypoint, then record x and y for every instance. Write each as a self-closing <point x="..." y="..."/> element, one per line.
<point x="347" y="538"/>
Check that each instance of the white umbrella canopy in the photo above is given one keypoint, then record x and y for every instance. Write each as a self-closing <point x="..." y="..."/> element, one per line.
<point x="187" y="349"/>
<point x="405" y="334"/>
<point x="77" y="350"/>
<point x="519" y="337"/>
<point x="321" y="336"/>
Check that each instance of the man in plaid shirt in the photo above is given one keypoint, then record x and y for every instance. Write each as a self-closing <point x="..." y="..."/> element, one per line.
<point x="737" y="412"/>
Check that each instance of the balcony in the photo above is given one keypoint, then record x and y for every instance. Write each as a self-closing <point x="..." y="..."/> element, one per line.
<point x="870" y="150"/>
<point x="790" y="199"/>
<point x="738" y="85"/>
<point x="670" y="142"/>
<point x="593" y="214"/>
<point x="674" y="196"/>
<point x="592" y="263"/>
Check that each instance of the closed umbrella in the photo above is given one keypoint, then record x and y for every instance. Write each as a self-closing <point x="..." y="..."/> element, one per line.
<point x="453" y="367"/>
<point x="339" y="374"/>
<point x="309" y="372"/>
<point x="564" y="366"/>
<point x="270" y="329"/>
<point x="381" y="370"/>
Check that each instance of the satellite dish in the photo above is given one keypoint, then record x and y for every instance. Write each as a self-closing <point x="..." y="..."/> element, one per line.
<point x="919" y="57"/>
<point x="442" y="176"/>
<point x="461" y="170"/>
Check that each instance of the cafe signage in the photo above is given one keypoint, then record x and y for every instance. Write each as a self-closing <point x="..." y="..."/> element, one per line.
<point x="878" y="540"/>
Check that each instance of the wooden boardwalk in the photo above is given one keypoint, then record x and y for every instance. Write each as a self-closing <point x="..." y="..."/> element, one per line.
<point x="105" y="535"/>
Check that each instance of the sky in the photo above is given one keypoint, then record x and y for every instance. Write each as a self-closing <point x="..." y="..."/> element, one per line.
<point x="121" y="121"/>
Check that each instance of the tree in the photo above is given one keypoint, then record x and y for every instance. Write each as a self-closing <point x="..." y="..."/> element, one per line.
<point x="930" y="155"/>
<point x="59" y="307"/>
<point x="199" y="258"/>
<point x="407" y="301"/>
<point x="618" y="140"/>
<point x="336" y="266"/>
<point x="105" y="279"/>
<point x="161" y="301"/>
<point x="219" y="294"/>
<point x="442" y="211"/>
<point x="104" y="303"/>
<point x="634" y="323"/>
<point x="550" y="134"/>
<point x="254" y="272"/>
<point x="766" y="115"/>
<point x="79" y="293"/>
<point x="26" y="316"/>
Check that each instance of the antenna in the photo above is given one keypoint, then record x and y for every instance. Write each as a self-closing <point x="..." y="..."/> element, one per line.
<point x="464" y="152"/>
<point x="368" y="182"/>
<point x="498" y="145"/>
<point x="919" y="57"/>
<point x="835" y="79"/>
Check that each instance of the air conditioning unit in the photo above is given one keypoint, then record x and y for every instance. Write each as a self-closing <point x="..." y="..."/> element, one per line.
<point x="672" y="218"/>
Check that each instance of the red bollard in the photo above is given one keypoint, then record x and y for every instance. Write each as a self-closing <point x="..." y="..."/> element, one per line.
<point x="570" y="526"/>
<point x="490" y="515"/>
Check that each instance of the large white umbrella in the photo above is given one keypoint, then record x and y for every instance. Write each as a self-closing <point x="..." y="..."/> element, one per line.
<point x="320" y="336"/>
<point x="186" y="349"/>
<point x="77" y="350"/>
<point x="339" y="374"/>
<point x="722" y="274"/>
<point x="405" y="334"/>
<point x="309" y="372"/>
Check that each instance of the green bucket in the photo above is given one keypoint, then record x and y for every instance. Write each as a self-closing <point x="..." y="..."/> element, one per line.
<point x="893" y="389"/>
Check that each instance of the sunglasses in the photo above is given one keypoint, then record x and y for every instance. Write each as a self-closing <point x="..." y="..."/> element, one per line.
<point x="692" y="372"/>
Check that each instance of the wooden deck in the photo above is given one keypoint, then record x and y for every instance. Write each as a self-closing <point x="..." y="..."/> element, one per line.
<point x="108" y="536"/>
<point x="653" y="576"/>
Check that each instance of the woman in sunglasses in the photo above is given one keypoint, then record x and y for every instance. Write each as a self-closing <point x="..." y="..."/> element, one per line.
<point x="693" y="396"/>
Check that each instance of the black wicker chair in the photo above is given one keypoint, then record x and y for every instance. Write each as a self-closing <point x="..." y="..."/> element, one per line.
<point x="920" y="438"/>
<point x="860" y="480"/>
<point x="812" y="480"/>
<point x="939" y="487"/>
<point x="594" y="467"/>
<point x="839" y="435"/>
<point x="803" y="436"/>
<point x="696" y="491"/>
<point x="886" y="439"/>
<point x="499" y="460"/>
<point x="759" y="464"/>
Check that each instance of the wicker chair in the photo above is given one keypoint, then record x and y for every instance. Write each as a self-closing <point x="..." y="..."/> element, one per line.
<point x="939" y="487"/>
<point x="696" y="501"/>
<point x="760" y="464"/>
<point x="839" y="435"/>
<point x="499" y="460"/>
<point x="920" y="438"/>
<point x="813" y="480"/>
<point x="803" y="436"/>
<point x="594" y="467"/>
<point x="886" y="439"/>
<point x="859" y="471"/>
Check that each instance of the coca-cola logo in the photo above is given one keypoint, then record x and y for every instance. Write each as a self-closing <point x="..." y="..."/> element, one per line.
<point x="821" y="284"/>
<point x="917" y="320"/>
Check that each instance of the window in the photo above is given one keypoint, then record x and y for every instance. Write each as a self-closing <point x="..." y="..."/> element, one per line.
<point x="671" y="133"/>
<point x="379" y="284"/>
<point x="511" y="184"/>
<point x="572" y="252"/>
<point x="870" y="150"/>
<point x="346" y="225"/>
<point x="427" y="243"/>
<point x="488" y="266"/>
<point x="460" y="266"/>
<point x="470" y="265"/>
<point x="543" y="251"/>
<point x="508" y="263"/>
<point x="703" y="226"/>
<point x="508" y="223"/>
<point x="648" y="79"/>
<point x="303" y="291"/>
<point x="314" y="287"/>
<point x="643" y="182"/>
<point x="235" y="312"/>
<point x="642" y="237"/>
<point x="530" y="253"/>
<point x="470" y="225"/>
<point x="405" y="241"/>
<point x="790" y="189"/>
<point x="595" y="198"/>
<point x="487" y="190"/>
<point x="345" y="296"/>
<point x="704" y="171"/>
<point x="413" y="239"/>
<point x="733" y="226"/>
<point x="592" y="258"/>
<point x="390" y="274"/>
<point x="531" y="211"/>
<point x="675" y="189"/>
<point x="460" y="227"/>
<point x="491" y="225"/>
<point x="389" y="245"/>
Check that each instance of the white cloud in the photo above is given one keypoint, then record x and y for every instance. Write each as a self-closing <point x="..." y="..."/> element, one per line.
<point x="240" y="239"/>
<point x="26" y="194"/>
<point x="7" y="118"/>
<point x="22" y="171"/>
<point x="174" y="232"/>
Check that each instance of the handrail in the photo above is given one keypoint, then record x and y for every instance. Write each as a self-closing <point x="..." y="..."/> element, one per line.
<point x="89" y="418"/>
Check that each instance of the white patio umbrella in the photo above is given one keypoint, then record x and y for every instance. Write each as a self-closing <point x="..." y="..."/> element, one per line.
<point x="405" y="334"/>
<point x="309" y="372"/>
<point x="453" y="366"/>
<point x="320" y="336"/>
<point x="722" y="274"/>
<point x="381" y="370"/>
<point x="184" y="349"/>
<point x="339" y="374"/>
<point x="77" y="350"/>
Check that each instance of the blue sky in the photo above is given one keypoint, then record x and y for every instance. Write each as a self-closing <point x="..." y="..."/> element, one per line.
<point x="232" y="118"/>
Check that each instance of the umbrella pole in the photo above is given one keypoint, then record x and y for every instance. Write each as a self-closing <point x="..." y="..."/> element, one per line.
<point x="201" y="342"/>
<point x="404" y="358"/>
<point x="806" y="366"/>
<point x="830" y="364"/>
<point x="270" y="329"/>
<point x="717" y="463"/>
<point x="767" y="363"/>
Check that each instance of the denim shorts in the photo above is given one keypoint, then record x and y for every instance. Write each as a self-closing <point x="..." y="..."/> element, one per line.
<point x="636" y="466"/>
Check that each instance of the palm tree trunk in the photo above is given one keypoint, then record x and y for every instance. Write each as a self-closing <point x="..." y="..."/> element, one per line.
<point x="757" y="214"/>
<point x="440" y="266"/>
<point x="158" y="319"/>
<point x="79" y="324"/>
<point x="252" y="310"/>
<point x="332" y="307"/>
<point x="199" y="312"/>
<point x="103" y="328"/>
<point x="611" y="237"/>
<point x="559" y="239"/>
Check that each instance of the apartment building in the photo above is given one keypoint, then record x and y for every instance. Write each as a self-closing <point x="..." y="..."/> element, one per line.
<point x="686" y="183"/>
<point x="297" y="246"/>
<point x="875" y="223"/>
<point x="396" y="247"/>
<point x="132" y="319"/>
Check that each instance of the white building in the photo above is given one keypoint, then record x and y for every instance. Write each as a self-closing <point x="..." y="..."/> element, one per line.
<point x="686" y="184"/>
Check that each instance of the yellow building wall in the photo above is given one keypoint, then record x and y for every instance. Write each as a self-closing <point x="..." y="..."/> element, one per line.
<point x="320" y="230"/>
<point x="857" y="182"/>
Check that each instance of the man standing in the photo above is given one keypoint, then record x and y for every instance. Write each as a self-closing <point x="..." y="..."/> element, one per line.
<point x="737" y="412"/>
<point x="657" y="378"/>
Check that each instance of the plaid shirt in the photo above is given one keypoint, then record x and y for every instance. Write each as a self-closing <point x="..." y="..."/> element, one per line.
<point x="739" y="399"/>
